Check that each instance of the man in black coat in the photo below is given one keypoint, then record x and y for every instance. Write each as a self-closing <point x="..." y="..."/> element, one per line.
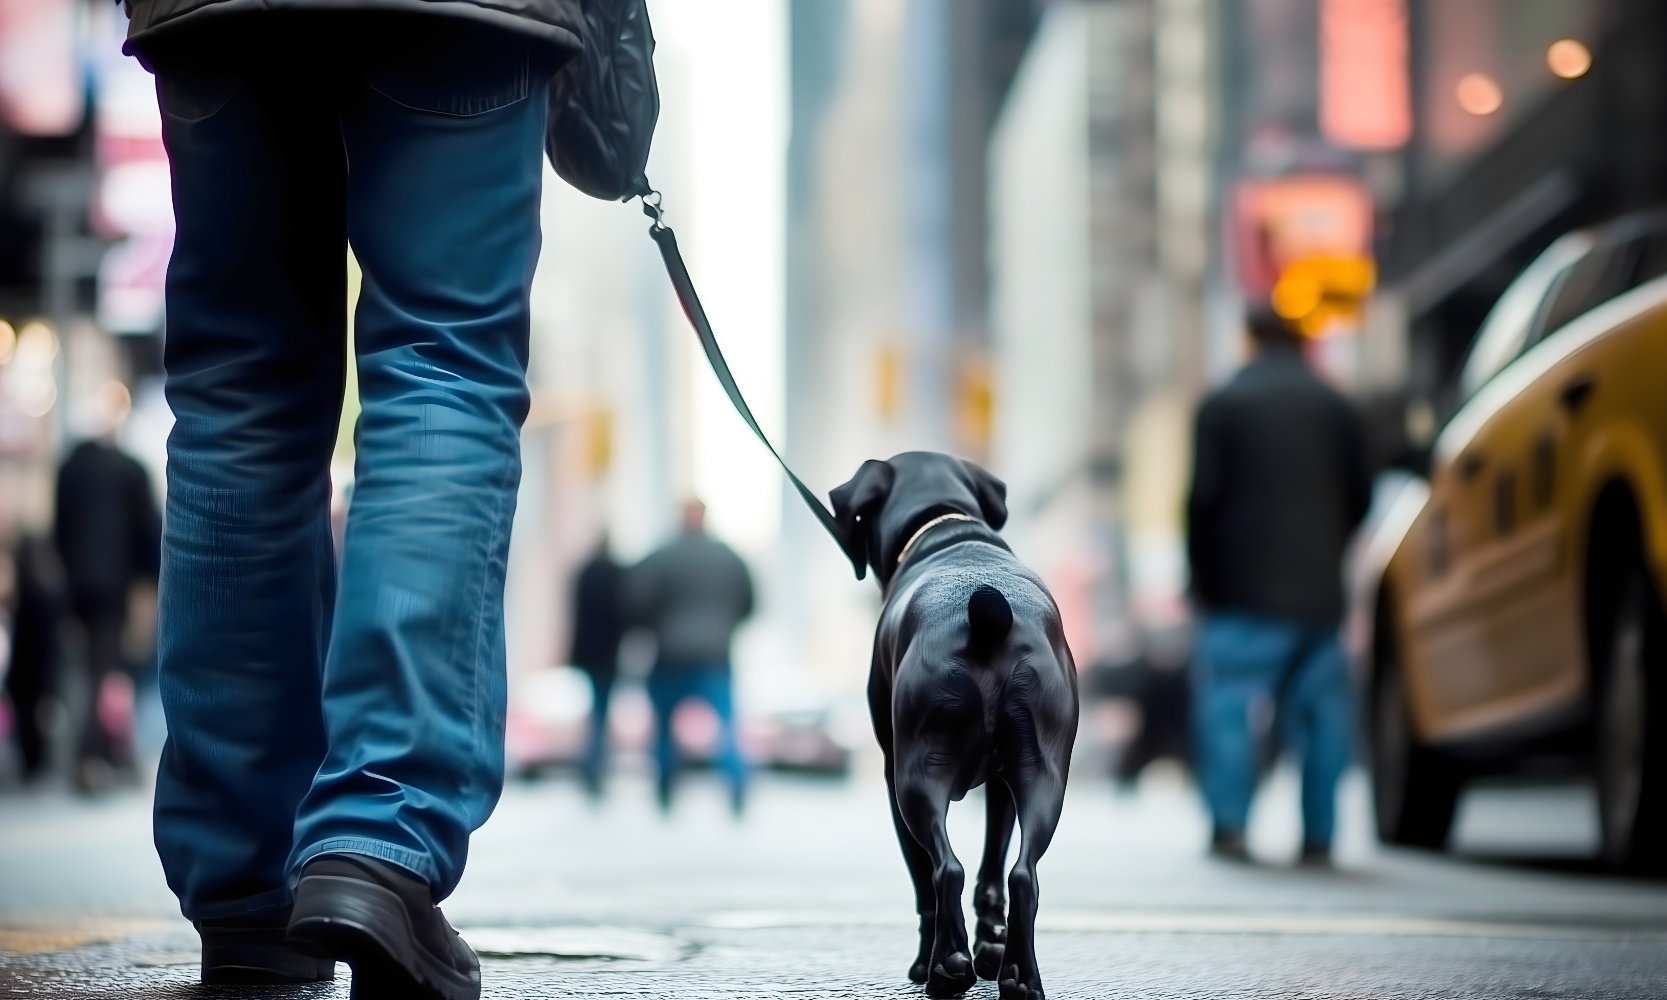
<point x="1280" y="481"/>
<point x="598" y="625"/>
<point x="109" y="537"/>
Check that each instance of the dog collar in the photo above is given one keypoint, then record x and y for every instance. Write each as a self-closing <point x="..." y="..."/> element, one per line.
<point x="928" y="526"/>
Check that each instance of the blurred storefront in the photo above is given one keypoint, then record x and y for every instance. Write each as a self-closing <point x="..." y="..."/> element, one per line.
<point x="85" y="232"/>
<point x="1380" y="169"/>
<point x="889" y="339"/>
<point x="1532" y="119"/>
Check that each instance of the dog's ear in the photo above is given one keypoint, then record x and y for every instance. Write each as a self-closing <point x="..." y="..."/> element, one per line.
<point x="855" y="506"/>
<point x="991" y="493"/>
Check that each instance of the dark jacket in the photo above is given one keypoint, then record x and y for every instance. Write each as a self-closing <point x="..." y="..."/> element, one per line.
<point x="691" y="593"/>
<point x="106" y="526"/>
<point x="553" y="21"/>
<point x="1280" y="481"/>
<point x="598" y="619"/>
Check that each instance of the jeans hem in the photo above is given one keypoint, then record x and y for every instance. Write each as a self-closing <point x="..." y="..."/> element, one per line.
<point x="418" y="864"/>
<point x="269" y="901"/>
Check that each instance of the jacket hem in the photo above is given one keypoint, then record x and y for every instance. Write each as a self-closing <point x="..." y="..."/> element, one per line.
<point x="144" y="30"/>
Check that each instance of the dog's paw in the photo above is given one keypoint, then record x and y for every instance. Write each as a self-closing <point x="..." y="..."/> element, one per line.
<point x="986" y="958"/>
<point x="1013" y="988"/>
<point x="952" y="976"/>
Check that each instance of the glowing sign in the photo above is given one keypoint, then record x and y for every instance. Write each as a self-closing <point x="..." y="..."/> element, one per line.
<point x="1365" y="99"/>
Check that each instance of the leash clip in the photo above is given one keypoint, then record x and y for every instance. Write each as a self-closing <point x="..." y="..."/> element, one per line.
<point x="654" y="211"/>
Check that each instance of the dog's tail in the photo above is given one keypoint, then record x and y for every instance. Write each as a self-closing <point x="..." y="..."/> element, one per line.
<point x="990" y="618"/>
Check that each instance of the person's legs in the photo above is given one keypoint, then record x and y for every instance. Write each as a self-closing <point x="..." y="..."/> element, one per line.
<point x="32" y="673"/>
<point x="716" y="686"/>
<point x="25" y="688"/>
<point x="445" y="143"/>
<point x="256" y="294"/>
<point x="100" y="751"/>
<point x="1237" y="659"/>
<point x="666" y="690"/>
<point x="596" y="746"/>
<point x="1319" y="707"/>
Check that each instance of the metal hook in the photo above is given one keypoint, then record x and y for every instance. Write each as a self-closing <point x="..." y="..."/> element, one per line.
<point x="651" y="207"/>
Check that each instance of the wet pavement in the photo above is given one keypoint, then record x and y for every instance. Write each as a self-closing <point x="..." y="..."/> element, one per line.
<point x="806" y="897"/>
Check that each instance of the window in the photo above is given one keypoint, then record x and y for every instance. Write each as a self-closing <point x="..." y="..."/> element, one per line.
<point x="1600" y="276"/>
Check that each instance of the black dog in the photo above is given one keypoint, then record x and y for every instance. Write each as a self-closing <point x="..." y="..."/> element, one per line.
<point x="971" y="684"/>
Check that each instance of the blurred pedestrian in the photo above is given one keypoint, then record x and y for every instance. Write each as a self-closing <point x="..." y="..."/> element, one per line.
<point x="692" y="593"/>
<point x="108" y="534"/>
<point x="32" y="674"/>
<point x="333" y="744"/>
<point x="598" y="625"/>
<point x="1280" y="481"/>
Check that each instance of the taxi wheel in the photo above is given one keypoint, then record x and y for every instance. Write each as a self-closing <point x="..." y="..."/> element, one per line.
<point x="1630" y="749"/>
<point x="1415" y="790"/>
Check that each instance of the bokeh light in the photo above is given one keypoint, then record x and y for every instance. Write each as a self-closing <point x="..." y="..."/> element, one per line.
<point x="1568" y="58"/>
<point x="29" y="378"/>
<point x="1479" y="94"/>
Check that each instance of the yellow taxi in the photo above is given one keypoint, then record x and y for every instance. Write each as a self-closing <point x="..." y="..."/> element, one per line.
<point x="1513" y="612"/>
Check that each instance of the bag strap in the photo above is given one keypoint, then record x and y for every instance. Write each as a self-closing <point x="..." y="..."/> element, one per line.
<point x="685" y="289"/>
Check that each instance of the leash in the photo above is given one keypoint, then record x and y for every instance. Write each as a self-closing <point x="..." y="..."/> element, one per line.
<point x="685" y="289"/>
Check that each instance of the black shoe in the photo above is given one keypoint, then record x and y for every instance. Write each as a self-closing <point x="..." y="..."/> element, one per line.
<point x="1229" y="845"/>
<point x="252" y="951"/>
<point x="384" y="923"/>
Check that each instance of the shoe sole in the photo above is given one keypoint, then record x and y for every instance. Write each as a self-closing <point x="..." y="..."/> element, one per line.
<point x="366" y="926"/>
<point x="231" y="974"/>
<point x="231" y="959"/>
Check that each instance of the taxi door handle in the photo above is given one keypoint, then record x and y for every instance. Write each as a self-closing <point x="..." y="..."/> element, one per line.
<point x="1577" y="392"/>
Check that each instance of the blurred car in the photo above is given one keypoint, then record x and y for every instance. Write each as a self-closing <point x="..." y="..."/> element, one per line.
<point x="1513" y="617"/>
<point x="798" y="730"/>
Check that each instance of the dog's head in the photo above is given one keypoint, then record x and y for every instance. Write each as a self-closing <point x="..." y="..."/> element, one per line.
<point x="885" y="503"/>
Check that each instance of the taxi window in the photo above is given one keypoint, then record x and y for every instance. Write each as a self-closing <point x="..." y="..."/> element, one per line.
<point x="1652" y="259"/>
<point x="1511" y="324"/>
<point x="1600" y="276"/>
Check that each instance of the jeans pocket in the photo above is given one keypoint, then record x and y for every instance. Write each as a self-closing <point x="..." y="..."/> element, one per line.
<point x="460" y="71"/>
<point x="192" y="95"/>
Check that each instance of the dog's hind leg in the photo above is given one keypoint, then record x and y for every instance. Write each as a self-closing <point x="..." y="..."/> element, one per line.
<point x="920" y="873"/>
<point x="989" y="898"/>
<point x="1039" y="803"/>
<point x="1035" y="747"/>
<point x="914" y="855"/>
<point x="923" y="794"/>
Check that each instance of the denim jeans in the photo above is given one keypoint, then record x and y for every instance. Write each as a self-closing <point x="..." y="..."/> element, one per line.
<point x="307" y="715"/>
<point x="1301" y="668"/>
<point x="670" y="686"/>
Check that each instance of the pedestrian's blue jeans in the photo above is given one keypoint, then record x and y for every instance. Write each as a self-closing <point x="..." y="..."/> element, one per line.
<point x="308" y="716"/>
<point x="1300" y="667"/>
<point x="668" y="687"/>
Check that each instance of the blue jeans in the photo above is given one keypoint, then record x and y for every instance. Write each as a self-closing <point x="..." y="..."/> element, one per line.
<point x="668" y="687"/>
<point x="304" y="715"/>
<point x="1300" y="666"/>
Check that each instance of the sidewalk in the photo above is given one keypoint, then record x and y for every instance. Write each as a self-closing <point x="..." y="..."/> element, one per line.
<point x="807" y="897"/>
